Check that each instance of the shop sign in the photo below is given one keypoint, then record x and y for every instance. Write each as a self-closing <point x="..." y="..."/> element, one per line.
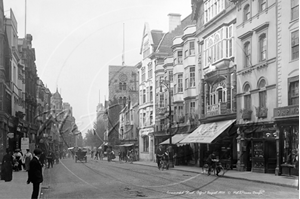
<point x="146" y="131"/>
<point x="24" y="143"/>
<point x="286" y="111"/>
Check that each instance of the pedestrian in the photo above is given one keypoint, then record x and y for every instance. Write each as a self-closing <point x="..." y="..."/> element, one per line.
<point x="27" y="159"/>
<point x="96" y="155"/>
<point x="35" y="174"/>
<point x="17" y="160"/>
<point x="7" y="166"/>
<point x="50" y="159"/>
<point x="159" y="154"/>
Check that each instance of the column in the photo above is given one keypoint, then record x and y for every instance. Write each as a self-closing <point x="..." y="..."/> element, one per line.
<point x="228" y="82"/>
<point x="240" y="145"/>
<point x="277" y="169"/>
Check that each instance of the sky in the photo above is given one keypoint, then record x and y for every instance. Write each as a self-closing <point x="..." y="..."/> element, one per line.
<point x="76" y="40"/>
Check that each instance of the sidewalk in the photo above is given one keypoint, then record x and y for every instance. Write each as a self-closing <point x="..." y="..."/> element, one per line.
<point x="17" y="188"/>
<point x="245" y="175"/>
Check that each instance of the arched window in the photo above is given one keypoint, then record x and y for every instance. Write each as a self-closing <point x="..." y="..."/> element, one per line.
<point x="262" y="93"/>
<point x="247" y="97"/>
<point x="246" y="12"/>
<point x="262" y="47"/>
<point x="120" y="86"/>
<point x="262" y="5"/>
<point x="247" y="54"/>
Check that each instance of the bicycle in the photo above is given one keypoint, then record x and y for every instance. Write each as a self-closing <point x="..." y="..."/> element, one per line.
<point x="217" y="168"/>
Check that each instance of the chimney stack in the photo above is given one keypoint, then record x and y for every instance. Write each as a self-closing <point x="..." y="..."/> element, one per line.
<point x="174" y="21"/>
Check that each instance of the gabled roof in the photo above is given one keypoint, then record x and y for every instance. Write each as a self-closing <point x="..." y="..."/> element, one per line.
<point x="167" y="40"/>
<point x="154" y="36"/>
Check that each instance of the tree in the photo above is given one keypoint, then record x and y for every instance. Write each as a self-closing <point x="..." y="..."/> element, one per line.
<point x="95" y="137"/>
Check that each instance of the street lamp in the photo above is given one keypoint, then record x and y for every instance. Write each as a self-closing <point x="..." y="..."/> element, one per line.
<point x="167" y="84"/>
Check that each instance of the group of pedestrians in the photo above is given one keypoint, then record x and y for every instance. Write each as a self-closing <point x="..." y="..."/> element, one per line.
<point x="32" y="165"/>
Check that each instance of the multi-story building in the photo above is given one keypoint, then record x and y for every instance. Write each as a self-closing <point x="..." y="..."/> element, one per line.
<point x="128" y="128"/>
<point x="27" y="54"/>
<point x="56" y="109"/>
<point x="286" y="111"/>
<point x="7" y="126"/>
<point x="123" y="87"/>
<point x="146" y="78"/>
<point x="215" y="58"/>
<point x="17" y="70"/>
<point x="67" y="127"/>
<point x="256" y="85"/>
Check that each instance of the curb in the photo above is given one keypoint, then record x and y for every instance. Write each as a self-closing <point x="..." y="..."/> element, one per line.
<point x="238" y="178"/>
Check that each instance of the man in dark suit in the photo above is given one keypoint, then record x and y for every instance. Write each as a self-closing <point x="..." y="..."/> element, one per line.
<point x="35" y="175"/>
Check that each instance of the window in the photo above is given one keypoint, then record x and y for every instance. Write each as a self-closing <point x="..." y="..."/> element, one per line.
<point x="171" y="76"/>
<point x="120" y="86"/>
<point x="218" y="46"/>
<point x="144" y="119"/>
<point x="247" y="52"/>
<point x="262" y="94"/>
<point x="161" y="100"/>
<point x="151" y="94"/>
<point x="192" y="48"/>
<point x="192" y="77"/>
<point x="124" y="86"/>
<point x="180" y="86"/>
<point x="145" y="144"/>
<point x="179" y="57"/>
<point x="151" y="117"/>
<point x="143" y="74"/>
<point x="262" y="47"/>
<point x="247" y="97"/>
<point x="294" y="93"/>
<point x="262" y="5"/>
<point x="212" y="8"/>
<point x="295" y="45"/>
<point x="192" y="107"/>
<point x="149" y="70"/>
<point x="295" y="9"/>
<point x="246" y="12"/>
<point x="186" y="83"/>
<point x="144" y="96"/>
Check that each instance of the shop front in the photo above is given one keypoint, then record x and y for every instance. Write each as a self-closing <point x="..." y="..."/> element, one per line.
<point x="218" y="137"/>
<point x="146" y="144"/>
<point x="287" y="125"/>
<point x="257" y="147"/>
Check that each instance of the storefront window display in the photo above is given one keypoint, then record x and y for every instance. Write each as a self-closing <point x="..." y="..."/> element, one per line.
<point x="290" y="145"/>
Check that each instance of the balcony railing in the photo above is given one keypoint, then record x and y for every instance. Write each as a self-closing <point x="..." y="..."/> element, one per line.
<point x="218" y="109"/>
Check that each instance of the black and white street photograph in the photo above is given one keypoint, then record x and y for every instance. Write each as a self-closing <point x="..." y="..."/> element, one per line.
<point x="114" y="99"/>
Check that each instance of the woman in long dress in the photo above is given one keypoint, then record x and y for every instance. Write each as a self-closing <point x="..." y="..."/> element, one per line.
<point x="7" y="167"/>
<point x="28" y="157"/>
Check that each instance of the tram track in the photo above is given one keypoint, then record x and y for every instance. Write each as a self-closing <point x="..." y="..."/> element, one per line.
<point x="151" y="188"/>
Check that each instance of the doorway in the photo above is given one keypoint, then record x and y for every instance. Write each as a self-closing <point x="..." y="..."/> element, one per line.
<point x="270" y="155"/>
<point x="248" y="156"/>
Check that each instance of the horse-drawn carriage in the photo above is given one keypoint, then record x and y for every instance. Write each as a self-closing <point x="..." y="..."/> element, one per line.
<point x="80" y="154"/>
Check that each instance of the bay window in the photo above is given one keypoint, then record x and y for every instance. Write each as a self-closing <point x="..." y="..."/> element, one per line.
<point x="192" y="76"/>
<point x="218" y="45"/>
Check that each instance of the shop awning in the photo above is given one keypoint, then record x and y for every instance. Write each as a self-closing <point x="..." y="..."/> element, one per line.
<point x="206" y="133"/>
<point x="126" y="145"/>
<point x="175" y="139"/>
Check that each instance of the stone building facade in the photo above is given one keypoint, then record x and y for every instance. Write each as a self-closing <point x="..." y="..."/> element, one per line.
<point x="123" y="87"/>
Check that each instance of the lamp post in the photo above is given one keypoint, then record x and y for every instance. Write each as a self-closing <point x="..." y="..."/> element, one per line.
<point x="167" y="84"/>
